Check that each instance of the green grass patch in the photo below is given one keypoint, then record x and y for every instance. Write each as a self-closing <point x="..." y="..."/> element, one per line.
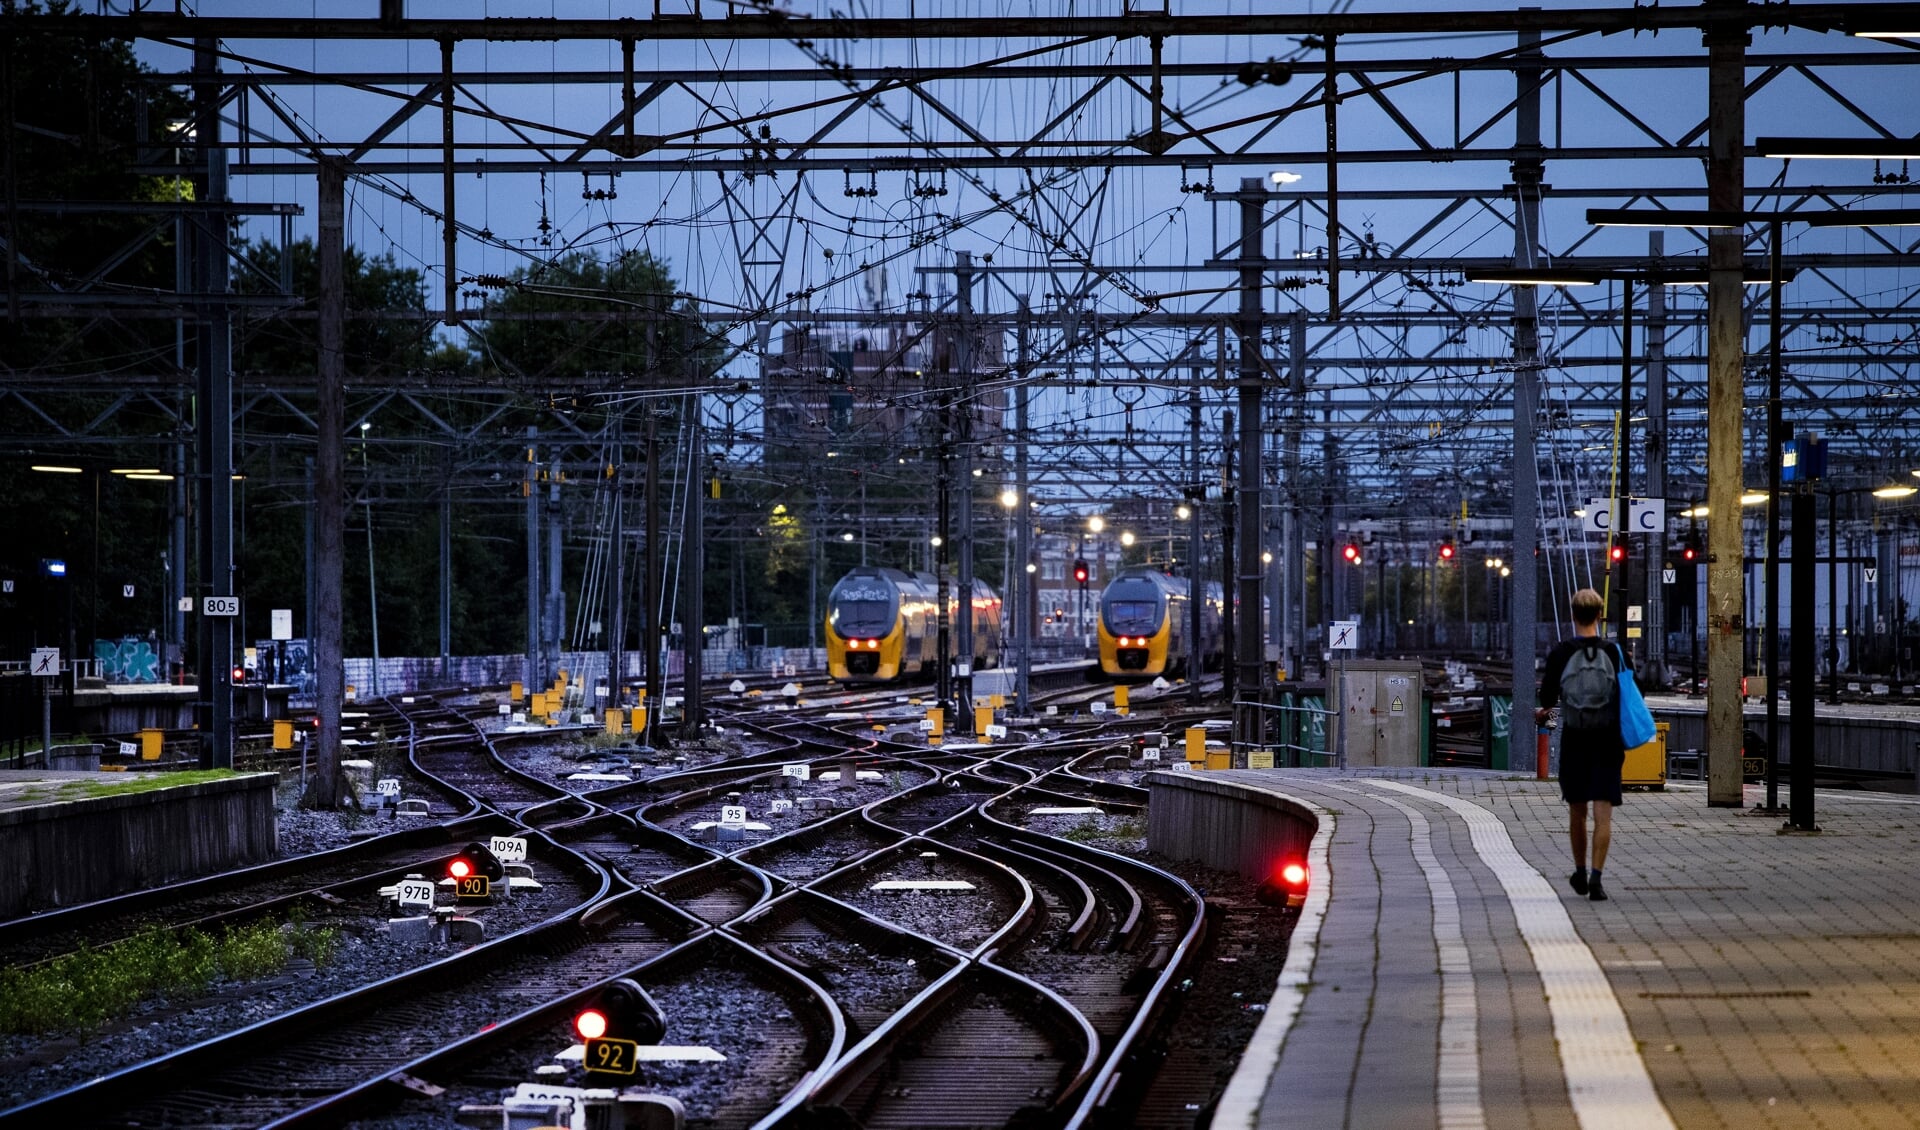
<point x="120" y="784"/>
<point x="84" y="990"/>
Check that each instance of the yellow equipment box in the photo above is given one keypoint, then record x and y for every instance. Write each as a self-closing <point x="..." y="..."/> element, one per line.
<point x="1646" y="766"/>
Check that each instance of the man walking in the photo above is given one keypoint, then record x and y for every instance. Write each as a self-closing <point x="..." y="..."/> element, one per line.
<point x="1582" y="676"/>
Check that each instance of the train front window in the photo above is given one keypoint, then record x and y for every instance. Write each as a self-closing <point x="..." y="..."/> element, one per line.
<point x="1132" y="617"/>
<point x="864" y="618"/>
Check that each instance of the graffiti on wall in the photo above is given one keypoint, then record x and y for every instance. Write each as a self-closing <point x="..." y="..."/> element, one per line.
<point x="292" y="667"/>
<point x="129" y="659"/>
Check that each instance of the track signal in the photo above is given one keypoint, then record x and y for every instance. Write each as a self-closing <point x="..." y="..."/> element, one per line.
<point x="474" y="871"/>
<point x="1081" y="572"/>
<point x="613" y="1024"/>
<point x="1286" y="885"/>
<point x="1351" y="552"/>
<point x="1446" y="551"/>
<point x="1688" y="553"/>
<point x="1617" y="554"/>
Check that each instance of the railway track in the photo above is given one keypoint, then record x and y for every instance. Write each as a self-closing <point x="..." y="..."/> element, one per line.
<point x="930" y="954"/>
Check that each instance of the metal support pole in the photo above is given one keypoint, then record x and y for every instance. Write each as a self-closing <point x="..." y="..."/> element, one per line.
<point x="943" y="614"/>
<point x="1292" y="549"/>
<point x="448" y="233"/>
<point x="215" y="376"/>
<point x="554" y="613"/>
<point x="1622" y="526"/>
<point x="617" y="618"/>
<point x="446" y="575"/>
<point x="1527" y="173"/>
<point x="535" y="663"/>
<point x="1726" y="181"/>
<point x="1771" y="545"/>
<point x="1023" y="522"/>
<point x="1230" y="622"/>
<point x="962" y="721"/>
<point x="329" y="491"/>
<point x="1332" y="105"/>
<point x="1247" y="717"/>
<point x="1654" y="670"/>
<point x="373" y="582"/>
<point x="1196" y="575"/>
<point x="1805" y="539"/>
<point x="650" y="611"/>
<point x="693" y="564"/>
<point x="1833" y="598"/>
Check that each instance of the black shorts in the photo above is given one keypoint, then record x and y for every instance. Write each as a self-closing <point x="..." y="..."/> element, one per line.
<point x="1590" y="767"/>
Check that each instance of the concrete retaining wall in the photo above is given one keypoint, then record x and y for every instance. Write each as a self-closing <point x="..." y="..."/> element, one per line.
<point x="65" y="852"/>
<point x="1225" y="824"/>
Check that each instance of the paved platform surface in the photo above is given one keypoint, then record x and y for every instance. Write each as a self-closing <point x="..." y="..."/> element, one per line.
<point x="1443" y="974"/>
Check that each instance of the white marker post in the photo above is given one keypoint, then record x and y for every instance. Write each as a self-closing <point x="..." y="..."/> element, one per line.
<point x="1343" y="637"/>
<point x="44" y="664"/>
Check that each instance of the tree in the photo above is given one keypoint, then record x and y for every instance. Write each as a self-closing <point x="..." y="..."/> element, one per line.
<point x="643" y="331"/>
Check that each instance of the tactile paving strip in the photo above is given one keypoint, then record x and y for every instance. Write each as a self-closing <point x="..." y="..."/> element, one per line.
<point x="1607" y="1081"/>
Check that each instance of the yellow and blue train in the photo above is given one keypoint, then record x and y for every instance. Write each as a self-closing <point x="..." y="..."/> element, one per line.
<point x="883" y="625"/>
<point x="1146" y="620"/>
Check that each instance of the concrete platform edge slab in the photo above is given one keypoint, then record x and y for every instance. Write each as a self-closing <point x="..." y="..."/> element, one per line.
<point x="1239" y="1105"/>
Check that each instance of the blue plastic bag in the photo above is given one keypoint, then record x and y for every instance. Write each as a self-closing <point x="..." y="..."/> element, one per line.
<point x="1636" y="721"/>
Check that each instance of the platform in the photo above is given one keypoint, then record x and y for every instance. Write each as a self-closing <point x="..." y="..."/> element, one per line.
<point x="1443" y="974"/>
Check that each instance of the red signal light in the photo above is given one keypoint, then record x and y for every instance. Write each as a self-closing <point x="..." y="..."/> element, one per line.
<point x="1617" y="553"/>
<point x="1446" y="551"/>
<point x="459" y="867"/>
<point x="1687" y="553"/>
<point x="1286" y="886"/>
<point x="591" y="1024"/>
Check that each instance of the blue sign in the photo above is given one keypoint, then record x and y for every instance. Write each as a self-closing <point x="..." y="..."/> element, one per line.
<point x="1803" y="460"/>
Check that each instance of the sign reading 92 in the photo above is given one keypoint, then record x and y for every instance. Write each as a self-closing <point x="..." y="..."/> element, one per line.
<point x="611" y="1056"/>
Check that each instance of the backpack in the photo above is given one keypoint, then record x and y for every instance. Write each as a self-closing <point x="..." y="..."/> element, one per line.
<point x="1588" y="689"/>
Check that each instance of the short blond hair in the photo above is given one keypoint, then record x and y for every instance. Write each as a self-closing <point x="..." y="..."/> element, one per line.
<point x="1586" y="607"/>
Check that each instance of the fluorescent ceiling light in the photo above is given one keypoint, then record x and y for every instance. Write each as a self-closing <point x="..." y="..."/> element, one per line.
<point x="1867" y="218"/>
<point x="1753" y="498"/>
<point x="1896" y="492"/>
<point x="1838" y="148"/>
<point x="136" y="470"/>
<point x="1533" y="276"/>
<point x="1662" y="218"/>
<point x="54" y="469"/>
<point x="1696" y="512"/>
<point x="155" y="478"/>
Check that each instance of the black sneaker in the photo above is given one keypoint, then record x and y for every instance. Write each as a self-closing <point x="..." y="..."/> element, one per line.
<point x="1595" y="891"/>
<point x="1578" y="881"/>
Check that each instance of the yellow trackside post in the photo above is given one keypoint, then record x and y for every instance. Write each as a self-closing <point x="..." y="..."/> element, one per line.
<point x="1120" y="701"/>
<point x="982" y="718"/>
